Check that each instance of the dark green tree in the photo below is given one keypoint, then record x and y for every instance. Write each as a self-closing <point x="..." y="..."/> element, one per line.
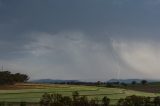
<point x="143" y="82"/>
<point x="6" y="77"/>
<point x="134" y="82"/>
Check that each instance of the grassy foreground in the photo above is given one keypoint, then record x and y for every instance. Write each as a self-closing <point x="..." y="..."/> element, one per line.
<point x="33" y="92"/>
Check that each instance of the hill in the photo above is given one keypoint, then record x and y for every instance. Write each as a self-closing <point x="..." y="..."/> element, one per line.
<point x="128" y="81"/>
<point x="52" y="81"/>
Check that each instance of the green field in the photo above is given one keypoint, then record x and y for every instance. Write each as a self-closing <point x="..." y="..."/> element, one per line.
<point x="33" y="93"/>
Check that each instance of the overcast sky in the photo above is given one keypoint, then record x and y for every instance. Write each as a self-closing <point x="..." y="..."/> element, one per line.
<point x="81" y="39"/>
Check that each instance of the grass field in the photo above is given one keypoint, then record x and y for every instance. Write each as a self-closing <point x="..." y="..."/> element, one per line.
<point x="33" y="92"/>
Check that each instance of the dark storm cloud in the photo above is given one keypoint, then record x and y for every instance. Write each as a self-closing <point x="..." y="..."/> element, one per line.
<point x="76" y="38"/>
<point x="94" y="16"/>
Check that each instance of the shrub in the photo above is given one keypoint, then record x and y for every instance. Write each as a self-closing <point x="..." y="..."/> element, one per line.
<point x="45" y="100"/>
<point x="94" y="102"/>
<point x="67" y="101"/>
<point x="76" y="100"/>
<point x="156" y="101"/>
<point x="105" y="101"/>
<point x="2" y="103"/>
<point x="23" y="104"/>
<point x="75" y="95"/>
<point x="135" y="101"/>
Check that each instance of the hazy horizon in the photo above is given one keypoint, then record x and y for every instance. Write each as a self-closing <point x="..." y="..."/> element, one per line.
<point x="81" y="39"/>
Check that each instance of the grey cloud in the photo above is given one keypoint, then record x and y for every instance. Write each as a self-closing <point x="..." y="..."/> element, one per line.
<point x="71" y="54"/>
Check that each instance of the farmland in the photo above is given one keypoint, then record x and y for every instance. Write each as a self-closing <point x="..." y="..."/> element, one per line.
<point x="33" y="92"/>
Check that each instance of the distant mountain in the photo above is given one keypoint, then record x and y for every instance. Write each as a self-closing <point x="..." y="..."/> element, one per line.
<point x="52" y="81"/>
<point x="127" y="81"/>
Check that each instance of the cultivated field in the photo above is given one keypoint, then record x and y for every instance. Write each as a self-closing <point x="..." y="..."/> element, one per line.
<point x="33" y="92"/>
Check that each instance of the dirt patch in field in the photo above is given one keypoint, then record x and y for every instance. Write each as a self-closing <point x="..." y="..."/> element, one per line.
<point x="145" y="88"/>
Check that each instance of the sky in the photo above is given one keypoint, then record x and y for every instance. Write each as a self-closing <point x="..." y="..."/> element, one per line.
<point x="81" y="39"/>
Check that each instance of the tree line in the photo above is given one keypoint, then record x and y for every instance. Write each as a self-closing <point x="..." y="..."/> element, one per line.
<point x="7" y="78"/>
<point x="99" y="83"/>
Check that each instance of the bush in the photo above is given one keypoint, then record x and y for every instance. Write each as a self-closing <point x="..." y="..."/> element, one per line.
<point x="156" y="101"/>
<point x="94" y="102"/>
<point x="83" y="101"/>
<point x="105" y="101"/>
<point x="67" y="101"/>
<point x="148" y="101"/>
<point x="135" y="101"/>
<point x="75" y="95"/>
<point x="23" y="104"/>
<point x="45" y="100"/>
<point x="2" y="103"/>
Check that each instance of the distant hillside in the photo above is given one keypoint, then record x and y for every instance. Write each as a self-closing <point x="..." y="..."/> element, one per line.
<point x="130" y="80"/>
<point x="52" y="81"/>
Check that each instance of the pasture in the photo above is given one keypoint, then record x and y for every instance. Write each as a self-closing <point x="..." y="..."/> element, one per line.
<point x="33" y="92"/>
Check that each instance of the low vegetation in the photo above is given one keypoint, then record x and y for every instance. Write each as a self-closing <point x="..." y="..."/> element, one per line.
<point x="77" y="100"/>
